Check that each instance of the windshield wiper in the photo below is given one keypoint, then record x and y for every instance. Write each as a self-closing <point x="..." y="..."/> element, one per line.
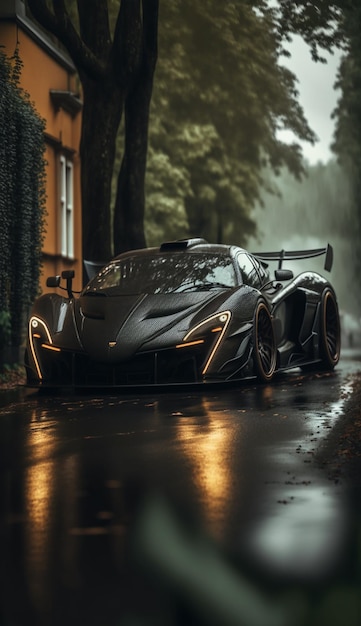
<point x="211" y="285"/>
<point x="200" y="287"/>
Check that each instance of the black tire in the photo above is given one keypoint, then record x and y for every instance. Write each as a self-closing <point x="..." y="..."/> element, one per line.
<point x="264" y="344"/>
<point x="330" y="333"/>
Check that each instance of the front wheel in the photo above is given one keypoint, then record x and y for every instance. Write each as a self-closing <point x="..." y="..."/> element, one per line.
<point x="264" y="344"/>
<point x="330" y="333"/>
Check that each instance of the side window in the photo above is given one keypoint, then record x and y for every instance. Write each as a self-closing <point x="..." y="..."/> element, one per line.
<point x="262" y="271"/>
<point x="249" y="273"/>
<point x="66" y="208"/>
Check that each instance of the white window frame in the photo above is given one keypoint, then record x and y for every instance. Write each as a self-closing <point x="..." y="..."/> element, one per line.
<point x="66" y="207"/>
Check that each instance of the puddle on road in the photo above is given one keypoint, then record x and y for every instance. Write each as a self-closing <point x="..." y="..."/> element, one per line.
<point x="305" y="538"/>
<point x="307" y="529"/>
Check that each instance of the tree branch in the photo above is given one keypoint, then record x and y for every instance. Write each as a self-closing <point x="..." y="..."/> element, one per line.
<point x="127" y="41"/>
<point x="150" y="30"/>
<point x="95" y="32"/>
<point x="60" y="25"/>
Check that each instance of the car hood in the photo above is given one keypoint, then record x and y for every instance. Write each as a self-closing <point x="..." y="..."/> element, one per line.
<point x="113" y="328"/>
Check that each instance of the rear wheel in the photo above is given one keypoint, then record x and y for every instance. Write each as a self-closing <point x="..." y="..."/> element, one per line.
<point x="330" y="341"/>
<point x="264" y="345"/>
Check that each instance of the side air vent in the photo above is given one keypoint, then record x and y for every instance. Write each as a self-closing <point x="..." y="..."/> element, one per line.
<point x="182" y="244"/>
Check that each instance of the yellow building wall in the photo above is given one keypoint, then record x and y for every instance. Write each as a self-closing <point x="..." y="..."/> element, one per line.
<point x="40" y="74"/>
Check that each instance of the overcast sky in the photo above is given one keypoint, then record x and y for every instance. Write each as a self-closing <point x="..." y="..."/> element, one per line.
<point x="317" y="96"/>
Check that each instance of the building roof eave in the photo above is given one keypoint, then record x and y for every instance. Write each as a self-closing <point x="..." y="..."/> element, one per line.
<point x="14" y="11"/>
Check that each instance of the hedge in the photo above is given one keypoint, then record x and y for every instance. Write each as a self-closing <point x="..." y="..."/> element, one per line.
<point x="22" y="201"/>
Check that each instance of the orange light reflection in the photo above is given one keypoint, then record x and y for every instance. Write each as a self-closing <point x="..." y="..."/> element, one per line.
<point x="208" y="450"/>
<point x="41" y="500"/>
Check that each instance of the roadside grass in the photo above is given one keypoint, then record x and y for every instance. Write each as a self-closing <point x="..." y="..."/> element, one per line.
<point x="12" y="376"/>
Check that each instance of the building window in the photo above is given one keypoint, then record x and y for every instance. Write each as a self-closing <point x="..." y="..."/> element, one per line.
<point x="66" y="208"/>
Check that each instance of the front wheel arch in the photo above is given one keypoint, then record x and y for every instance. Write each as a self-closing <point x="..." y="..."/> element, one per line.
<point x="264" y="343"/>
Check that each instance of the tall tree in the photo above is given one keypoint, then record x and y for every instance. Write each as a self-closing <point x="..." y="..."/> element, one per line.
<point x="116" y="69"/>
<point x="347" y="137"/>
<point x="230" y="94"/>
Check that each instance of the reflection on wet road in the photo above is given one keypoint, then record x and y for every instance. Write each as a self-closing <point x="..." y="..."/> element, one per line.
<point x="239" y="463"/>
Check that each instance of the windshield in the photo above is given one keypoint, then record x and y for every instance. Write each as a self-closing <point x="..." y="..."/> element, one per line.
<point x="165" y="274"/>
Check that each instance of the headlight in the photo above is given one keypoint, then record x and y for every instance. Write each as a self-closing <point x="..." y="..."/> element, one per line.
<point x="209" y="332"/>
<point x="39" y="338"/>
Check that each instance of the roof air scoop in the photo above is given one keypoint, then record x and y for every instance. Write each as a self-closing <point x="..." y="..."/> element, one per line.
<point x="182" y="244"/>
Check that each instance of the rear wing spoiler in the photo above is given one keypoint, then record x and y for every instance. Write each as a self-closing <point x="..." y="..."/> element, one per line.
<point x="296" y="255"/>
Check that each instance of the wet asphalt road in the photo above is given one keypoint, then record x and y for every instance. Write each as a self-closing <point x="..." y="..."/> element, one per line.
<point x="100" y="488"/>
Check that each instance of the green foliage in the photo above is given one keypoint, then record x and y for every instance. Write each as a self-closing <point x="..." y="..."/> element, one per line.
<point x="11" y="376"/>
<point x="347" y="143"/>
<point x="5" y="328"/>
<point x="22" y="197"/>
<point x="219" y="97"/>
<point x="166" y="216"/>
<point x="347" y="138"/>
<point x="318" y="22"/>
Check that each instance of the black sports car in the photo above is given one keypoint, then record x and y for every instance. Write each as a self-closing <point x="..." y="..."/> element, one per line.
<point x="187" y="312"/>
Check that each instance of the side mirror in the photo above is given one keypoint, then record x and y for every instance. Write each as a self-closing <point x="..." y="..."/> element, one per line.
<point x="53" y="281"/>
<point x="68" y="275"/>
<point x="283" y="274"/>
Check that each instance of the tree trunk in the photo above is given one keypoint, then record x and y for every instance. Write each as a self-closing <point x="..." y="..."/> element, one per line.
<point x="129" y="208"/>
<point x="130" y="200"/>
<point x="102" y="113"/>
<point x="113" y="73"/>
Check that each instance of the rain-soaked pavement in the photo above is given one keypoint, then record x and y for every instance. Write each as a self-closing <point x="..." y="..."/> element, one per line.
<point x="116" y="508"/>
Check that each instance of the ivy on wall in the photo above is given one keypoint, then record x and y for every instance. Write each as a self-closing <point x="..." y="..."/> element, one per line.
<point x="22" y="200"/>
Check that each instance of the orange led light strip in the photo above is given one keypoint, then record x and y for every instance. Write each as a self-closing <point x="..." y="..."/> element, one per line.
<point x="50" y="347"/>
<point x="219" y="329"/>
<point x="34" y="322"/>
<point x="190" y="343"/>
